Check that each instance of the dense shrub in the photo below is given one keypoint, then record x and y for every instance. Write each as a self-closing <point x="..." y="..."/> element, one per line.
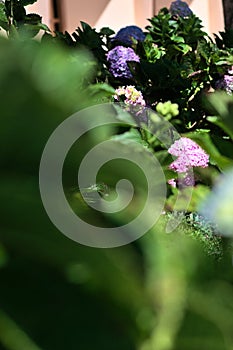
<point x="164" y="291"/>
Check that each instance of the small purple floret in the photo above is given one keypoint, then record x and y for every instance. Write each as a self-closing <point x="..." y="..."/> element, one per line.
<point x="225" y="83"/>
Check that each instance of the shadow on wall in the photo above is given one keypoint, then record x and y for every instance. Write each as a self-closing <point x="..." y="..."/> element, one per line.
<point x="88" y="11"/>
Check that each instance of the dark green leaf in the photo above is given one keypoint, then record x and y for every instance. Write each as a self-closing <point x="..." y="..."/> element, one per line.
<point x="223" y="106"/>
<point x="216" y="158"/>
<point x="28" y="2"/>
<point x="33" y="18"/>
<point x="3" y="18"/>
<point x="106" y="31"/>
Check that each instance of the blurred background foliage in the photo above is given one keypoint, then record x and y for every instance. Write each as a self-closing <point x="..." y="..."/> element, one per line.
<point x="164" y="291"/>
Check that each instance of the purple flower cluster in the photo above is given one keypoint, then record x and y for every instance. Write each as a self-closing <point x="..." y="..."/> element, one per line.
<point x="127" y="34"/>
<point x="118" y="58"/>
<point x="225" y="83"/>
<point x="189" y="154"/>
<point x="180" y="8"/>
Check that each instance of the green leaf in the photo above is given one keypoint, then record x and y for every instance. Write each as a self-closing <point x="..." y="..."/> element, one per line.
<point x="225" y="39"/>
<point x="224" y="145"/>
<point x="185" y="48"/>
<point x="19" y="12"/>
<point x="33" y="18"/>
<point x="85" y="26"/>
<point x="203" y="49"/>
<point x="109" y="90"/>
<point x="216" y="120"/>
<point x="222" y="105"/>
<point x="216" y="158"/>
<point x="101" y="92"/>
<point x="32" y="25"/>
<point x="106" y="31"/>
<point x="177" y="39"/>
<point x="165" y="159"/>
<point x="123" y="115"/>
<point x="90" y="38"/>
<point x="130" y="136"/>
<point x="43" y="26"/>
<point x="28" y="2"/>
<point x="31" y="30"/>
<point x="3" y="18"/>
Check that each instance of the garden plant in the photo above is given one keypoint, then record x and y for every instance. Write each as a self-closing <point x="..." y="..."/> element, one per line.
<point x="169" y="86"/>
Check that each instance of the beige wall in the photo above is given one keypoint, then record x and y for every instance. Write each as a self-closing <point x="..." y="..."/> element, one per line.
<point x="143" y="11"/>
<point x="216" y="18"/>
<point x="85" y="10"/>
<point x="119" y="13"/>
<point x="115" y="18"/>
<point x="107" y="13"/>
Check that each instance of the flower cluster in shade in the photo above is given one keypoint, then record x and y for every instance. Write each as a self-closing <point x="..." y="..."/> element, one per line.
<point x="118" y="58"/>
<point x="189" y="154"/>
<point x="226" y="82"/>
<point x="128" y="34"/>
<point x="180" y="8"/>
<point x="131" y="94"/>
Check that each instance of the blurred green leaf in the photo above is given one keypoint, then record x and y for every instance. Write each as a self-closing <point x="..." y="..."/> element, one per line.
<point x="179" y="199"/>
<point x="12" y="336"/>
<point x="216" y="158"/>
<point x="222" y="104"/>
<point x="217" y="120"/>
<point x="3" y="256"/>
<point x="133" y="135"/>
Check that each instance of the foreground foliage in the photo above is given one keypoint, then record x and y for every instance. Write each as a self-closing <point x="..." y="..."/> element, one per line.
<point x="164" y="291"/>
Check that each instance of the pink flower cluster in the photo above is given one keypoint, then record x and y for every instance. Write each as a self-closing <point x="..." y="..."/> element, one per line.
<point x="189" y="154"/>
<point x="131" y="94"/>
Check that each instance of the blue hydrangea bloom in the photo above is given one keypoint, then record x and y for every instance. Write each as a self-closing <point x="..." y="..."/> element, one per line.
<point x="118" y="58"/>
<point x="125" y="35"/>
<point x="180" y="8"/>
